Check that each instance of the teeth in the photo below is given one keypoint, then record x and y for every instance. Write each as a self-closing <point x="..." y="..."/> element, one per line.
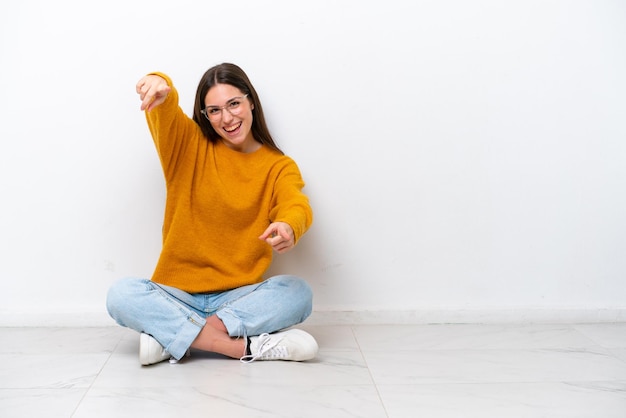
<point x="233" y="128"/>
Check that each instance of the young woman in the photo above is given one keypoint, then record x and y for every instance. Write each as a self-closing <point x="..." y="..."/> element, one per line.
<point x="233" y="198"/>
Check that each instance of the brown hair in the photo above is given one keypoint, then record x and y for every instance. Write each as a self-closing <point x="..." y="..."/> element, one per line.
<point x="231" y="74"/>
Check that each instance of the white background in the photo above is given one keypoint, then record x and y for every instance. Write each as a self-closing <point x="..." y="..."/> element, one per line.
<point x="466" y="160"/>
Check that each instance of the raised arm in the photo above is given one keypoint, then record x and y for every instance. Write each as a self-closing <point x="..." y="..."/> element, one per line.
<point x="152" y="90"/>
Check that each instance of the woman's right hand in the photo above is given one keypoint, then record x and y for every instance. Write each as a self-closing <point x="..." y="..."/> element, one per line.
<point x="152" y="90"/>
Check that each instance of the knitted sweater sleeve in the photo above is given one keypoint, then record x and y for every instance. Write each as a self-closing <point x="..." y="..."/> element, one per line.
<point x="172" y="130"/>
<point x="289" y="203"/>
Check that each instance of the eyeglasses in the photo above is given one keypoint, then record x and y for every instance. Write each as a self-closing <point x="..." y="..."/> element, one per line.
<point x="233" y="106"/>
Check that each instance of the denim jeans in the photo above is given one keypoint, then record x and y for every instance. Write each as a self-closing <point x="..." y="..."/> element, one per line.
<point x="174" y="317"/>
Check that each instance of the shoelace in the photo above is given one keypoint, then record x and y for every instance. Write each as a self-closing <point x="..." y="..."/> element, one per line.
<point x="267" y="349"/>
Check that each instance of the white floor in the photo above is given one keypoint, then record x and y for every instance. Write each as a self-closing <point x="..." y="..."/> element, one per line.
<point x="362" y="371"/>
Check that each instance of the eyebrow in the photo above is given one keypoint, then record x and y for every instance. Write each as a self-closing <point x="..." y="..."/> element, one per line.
<point x="227" y="101"/>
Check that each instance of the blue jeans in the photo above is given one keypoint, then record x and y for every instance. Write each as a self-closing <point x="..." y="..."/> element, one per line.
<point x="174" y="317"/>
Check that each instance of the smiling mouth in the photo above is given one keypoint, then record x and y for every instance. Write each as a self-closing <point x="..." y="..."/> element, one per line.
<point x="232" y="128"/>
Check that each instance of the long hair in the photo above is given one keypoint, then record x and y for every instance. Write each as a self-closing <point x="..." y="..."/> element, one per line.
<point x="231" y="74"/>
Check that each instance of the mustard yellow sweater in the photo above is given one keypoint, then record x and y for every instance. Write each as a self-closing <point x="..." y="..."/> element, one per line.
<point x="219" y="201"/>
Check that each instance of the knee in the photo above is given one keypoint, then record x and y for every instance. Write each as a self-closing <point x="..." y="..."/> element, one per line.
<point x="120" y="294"/>
<point x="294" y="285"/>
<point x="299" y="293"/>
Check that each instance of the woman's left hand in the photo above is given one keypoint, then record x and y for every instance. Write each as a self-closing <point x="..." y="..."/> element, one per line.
<point x="280" y="236"/>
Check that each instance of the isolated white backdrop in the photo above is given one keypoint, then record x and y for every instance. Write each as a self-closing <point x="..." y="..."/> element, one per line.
<point x="466" y="160"/>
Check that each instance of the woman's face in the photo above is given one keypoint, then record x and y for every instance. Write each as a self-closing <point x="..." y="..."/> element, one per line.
<point x="230" y="115"/>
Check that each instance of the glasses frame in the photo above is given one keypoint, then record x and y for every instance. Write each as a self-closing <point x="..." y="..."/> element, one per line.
<point x="222" y="108"/>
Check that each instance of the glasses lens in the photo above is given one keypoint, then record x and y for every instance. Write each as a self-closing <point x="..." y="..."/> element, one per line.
<point x="213" y="113"/>
<point x="234" y="107"/>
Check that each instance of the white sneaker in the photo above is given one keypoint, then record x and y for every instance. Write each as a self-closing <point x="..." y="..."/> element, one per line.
<point x="150" y="351"/>
<point x="293" y="344"/>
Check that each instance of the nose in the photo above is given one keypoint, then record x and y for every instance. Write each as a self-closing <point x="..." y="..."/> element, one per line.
<point x="226" y="115"/>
